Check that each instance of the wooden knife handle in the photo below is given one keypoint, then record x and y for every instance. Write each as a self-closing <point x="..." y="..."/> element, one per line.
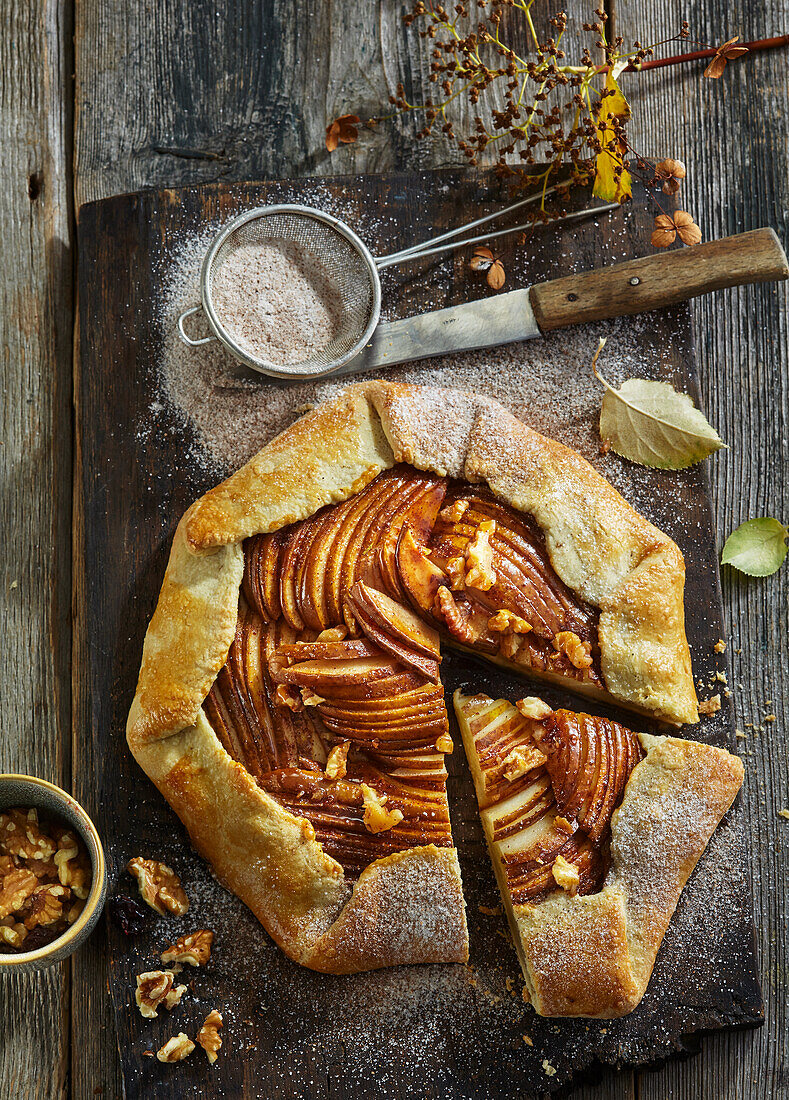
<point x="660" y="280"/>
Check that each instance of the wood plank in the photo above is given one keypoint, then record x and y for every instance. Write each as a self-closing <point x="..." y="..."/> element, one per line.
<point x="35" y="337"/>
<point x="735" y="144"/>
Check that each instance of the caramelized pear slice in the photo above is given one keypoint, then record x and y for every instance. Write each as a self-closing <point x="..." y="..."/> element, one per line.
<point x="589" y="760"/>
<point x="333" y="675"/>
<point x="420" y="578"/>
<point x="392" y="634"/>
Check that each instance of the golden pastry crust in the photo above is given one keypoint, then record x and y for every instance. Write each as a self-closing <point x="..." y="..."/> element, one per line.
<point x="593" y="954"/>
<point x="598" y="545"/>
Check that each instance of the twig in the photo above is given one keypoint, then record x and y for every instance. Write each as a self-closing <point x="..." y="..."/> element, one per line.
<point x="698" y="55"/>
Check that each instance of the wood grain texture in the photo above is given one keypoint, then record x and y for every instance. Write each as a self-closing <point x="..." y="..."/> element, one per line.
<point x="733" y="135"/>
<point x="35" y="475"/>
<point x="662" y="279"/>
<point x="174" y="93"/>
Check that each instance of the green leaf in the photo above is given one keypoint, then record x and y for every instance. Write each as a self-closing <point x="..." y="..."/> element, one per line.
<point x="758" y="547"/>
<point x="654" y="425"/>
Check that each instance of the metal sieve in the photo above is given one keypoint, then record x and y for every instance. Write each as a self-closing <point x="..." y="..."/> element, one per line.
<point x="346" y="261"/>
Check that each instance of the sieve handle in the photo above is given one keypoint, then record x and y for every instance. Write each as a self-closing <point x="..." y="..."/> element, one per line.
<point x="182" y="332"/>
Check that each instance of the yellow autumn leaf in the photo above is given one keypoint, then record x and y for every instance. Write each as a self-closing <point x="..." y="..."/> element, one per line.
<point x="607" y="185"/>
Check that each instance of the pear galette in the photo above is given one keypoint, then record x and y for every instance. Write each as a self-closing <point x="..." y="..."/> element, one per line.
<point x="290" y="705"/>
<point x="593" y="832"/>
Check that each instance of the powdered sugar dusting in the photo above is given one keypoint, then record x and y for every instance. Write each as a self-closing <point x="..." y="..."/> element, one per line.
<point x="277" y="301"/>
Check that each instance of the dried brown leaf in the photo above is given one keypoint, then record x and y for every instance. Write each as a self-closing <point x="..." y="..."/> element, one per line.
<point x="344" y="129"/>
<point x="496" y="276"/>
<point x="725" y="53"/>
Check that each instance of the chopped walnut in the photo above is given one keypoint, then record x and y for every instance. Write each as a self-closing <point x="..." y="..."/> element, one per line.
<point x="159" y="886"/>
<point x="33" y="894"/>
<point x="45" y="905"/>
<point x="456" y="571"/>
<point x="17" y="888"/>
<point x="194" y="948"/>
<point x="520" y="761"/>
<point x="176" y="1049"/>
<point x="72" y="866"/>
<point x="13" y="934"/>
<point x="710" y="706"/>
<point x="444" y="743"/>
<point x="565" y="825"/>
<point x="566" y="875"/>
<point x="7" y="865"/>
<point x="453" y="513"/>
<point x="208" y="1035"/>
<point x="578" y="653"/>
<point x="156" y="988"/>
<point x="447" y="609"/>
<point x="310" y="699"/>
<point x="376" y="818"/>
<point x="480" y="573"/>
<point x="507" y="622"/>
<point x="533" y="707"/>
<point x="22" y="837"/>
<point x="289" y="696"/>
<point x="720" y="646"/>
<point x="75" y="910"/>
<point x="337" y="762"/>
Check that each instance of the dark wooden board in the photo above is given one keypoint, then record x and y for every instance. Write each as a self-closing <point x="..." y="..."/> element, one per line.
<point x="425" y="1032"/>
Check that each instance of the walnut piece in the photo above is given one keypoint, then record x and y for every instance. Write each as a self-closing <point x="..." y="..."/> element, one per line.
<point x="376" y="818"/>
<point x="159" y="886"/>
<point x="310" y="699"/>
<point x="520" y="761"/>
<point x="72" y="866"/>
<point x="290" y="697"/>
<point x="453" y="513"/>
<point x="17" y="888"/>
<point x="480" y="573"/>
<point x="45" y="905"/>
<point x="176" y="1049"/>
<point x="456" y="571"/>
<point x="566" y="875"/>
<point x="720" y="646"/>
<point x="533" y="707"/>
<point x="710" y="706"/>
<point x="337" y="763"/>
<point x="208" y="1035"/>
<point x="507" y="622"/>
<point x="13" y="934"/>
<point x="577" y="652"/>
<point x="156" y="988"/>
<point x="22" y="837"/>
<point x="193" y="949"/>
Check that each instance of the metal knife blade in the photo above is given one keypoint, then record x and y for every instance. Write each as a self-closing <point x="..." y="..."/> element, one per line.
<point x="480" y="324"/>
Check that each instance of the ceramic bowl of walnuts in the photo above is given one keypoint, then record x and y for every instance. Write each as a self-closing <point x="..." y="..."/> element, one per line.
<point x="53" y="876"/>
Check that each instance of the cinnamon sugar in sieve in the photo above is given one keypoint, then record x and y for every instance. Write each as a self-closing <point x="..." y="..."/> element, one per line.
<point x="277" y="301"/>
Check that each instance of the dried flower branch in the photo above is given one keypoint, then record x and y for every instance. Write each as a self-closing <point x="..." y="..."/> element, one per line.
<point x="668" y="228"/>
<point x="565" y="123"/>
<point x="484" y="260"/>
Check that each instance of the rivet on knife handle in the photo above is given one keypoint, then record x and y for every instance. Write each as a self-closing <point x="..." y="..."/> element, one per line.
<point x="637" y="286"/>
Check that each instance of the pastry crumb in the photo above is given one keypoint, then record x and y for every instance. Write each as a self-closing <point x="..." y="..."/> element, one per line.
<point x="720" y="646"/>
<point x="739" y="733"/>
<point x="488" y="911"/>
<point x="770" y="718"/>
<point x="549" y="1070"/>
<point x="528" y="1040"/>
<point x="784" y="813"/>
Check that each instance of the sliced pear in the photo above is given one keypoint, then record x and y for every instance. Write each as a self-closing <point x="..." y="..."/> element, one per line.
<point x="421" y="579"/>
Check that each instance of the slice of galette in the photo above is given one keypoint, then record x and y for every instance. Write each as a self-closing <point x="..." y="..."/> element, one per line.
<point x="593" y="831"/>
<point x="290" y="705"/>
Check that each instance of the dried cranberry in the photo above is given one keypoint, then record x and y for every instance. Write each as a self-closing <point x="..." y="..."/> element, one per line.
<point x="128" y="914"/>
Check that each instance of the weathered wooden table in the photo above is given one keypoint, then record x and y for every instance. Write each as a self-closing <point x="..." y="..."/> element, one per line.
<point x="104" y="96"/>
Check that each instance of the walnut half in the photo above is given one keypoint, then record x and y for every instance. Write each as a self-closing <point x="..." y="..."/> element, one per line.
<point x="208" y="1035"/>
<point x="194" y="948"/>
<point x="154" y="989"/>
<point x="159" y="886"/>
<point x="176" y="1049"/>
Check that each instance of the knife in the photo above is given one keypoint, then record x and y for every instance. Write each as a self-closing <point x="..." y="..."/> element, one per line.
<point x="634" y="286"/>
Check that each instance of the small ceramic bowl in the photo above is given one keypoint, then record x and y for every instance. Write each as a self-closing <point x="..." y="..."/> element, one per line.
<point x="28" y="791"/>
